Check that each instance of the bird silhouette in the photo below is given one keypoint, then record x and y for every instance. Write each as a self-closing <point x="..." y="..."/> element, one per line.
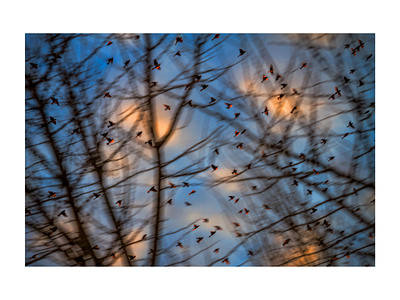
<point x="51" y="194"/>
<point x="240" y="146"/>
<point x="281" y="96"/>
<point x="131" y="257"/>
<point x="172" y="186"/>
<point x="228" y="105"/>
<point x="236" y="224"/>
<point x="241" y="52"/>
<point x="346" y="46"/>
<point x="368" y="57"/>
<point x="156" y="65"/>
<point x="295" y="92"/>
<point x="126" y="63"/>
<point x="169" y="202"/>
<point x="33" y="66"/>
<point x="346" y="80"/>
<point x="185" y="184"/>
<point x="216" y="250"/>
<point x="226" y="260"/>
<point x="293" y="109"/>
<point x="278" y="77"/>
<point x="308" y="228"/>
<point x="54" y="101"/>
<point x="352" y="71"/>
<point x="144" y="236"/>
<point x="188" y="203"/>
<point x="216" y="36"/>
<point x="199" y="239"/>
<point x="286" y="242"/>
<point x="153" y="84"/>
<point x="246" y="211"/>
<point x="177" y="53"/>
<point x="179" y="245"/>
<point x="138" y="134"/>
<point x="204" y="86"/>
<point x="110" y="141"/>
<point x="265" y="111"/>
<point x="360" y="83"/>
<point x="309" y="192"/>
<point x="212" y="100"/>
<point x="111" y="124"/>
<point x="95" y="247"/>
<point x="216" y="151"/>
<point x="214" y="168"/>
<point x="205" y="220"/>
<point x="234" y="172"/>
<point x="110" y="61"/>
<point x="62" y="213"/>
<point x="250" y="253"/>
<point x="346" y="134"/>
<point x="264" y="78"/>
<point x="192" y="192"/>
<point x="283" y="85"/>
<point x="52" y="120"/>
<point x="350" y="125"/>
<point x="323" y="141"/>
<point x="217" y="227"/>
<point x="212" y="233"/>
<point x="109" y="43"/>
<point x="179" y="39"/>
<point x="167" y="107"/>
<point x="295" y="182"/>
<point x="361" y="44"/>
<point x="266" y="206"/>
<point x="119" y="202"/>
<point x="271" y="70"/>
<point x="152" y="189"/>
<point x="237" y="200"/>
<point x="150" y="142"/>
<point x="313" y="210"/>
<point x="96" y="195"/>
<point x="303" y="66"/>
<point x="107" y="94"/>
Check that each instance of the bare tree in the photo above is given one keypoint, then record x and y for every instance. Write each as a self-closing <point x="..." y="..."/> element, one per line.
<point x="173" y="150"/>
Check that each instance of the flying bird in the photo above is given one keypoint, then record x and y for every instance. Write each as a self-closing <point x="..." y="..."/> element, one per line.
<point x="237" y="115"/>
<point x="234" y="172"/>
<point x="111" y="124"/>
<point x="216" y="151"/>
<point x="293" y="109"/>
<point x="150" y="142"/>
<point x="54" y="101"/>
<point x="167" y="107"/>
<point x="192" y="192"/>
<point x="295" y="182"/>
<point x="323" y="141"/>
<point x="177" y="53"/>
<point x="204" y="86"/>
<point x="278" y="77"/>
<point x="96" y="195"/>
<point x="346" y="80"/>
<point x="271" y="70"/>
<point x="216" y="36"/>
<point x="156" y="65"/>
<point x="217" y="227"/>
<point x="119" y="202"/>
<point x="226" y="260"/>
<point x="352" y="71"/>
<point x="280" y="96"/>
<point x="109" y="43"/>
<point x="138" y="134"/>
<point x="346" y="46"/>
<point x="241" y="52"/>
<point x="295" y="92"/>
<point x="236" y="224"/>
<point x="33" y="66"/>
<point x="126" y="63"/>
<point x="53" y="120"/>
<point x="240" y="146"/>
<point x="303" y="66"/>
<point x="179" y="39"/>
<point x="265" y="111"/>
<point x="172" y="186"/>
<point x="107" y="94"/>
<point x="51" y="194"/>
<point x="205" y="220"/>
<point x="214" y="168"/>
<point x="62" y="213"/>
<point x="228" y="105"/>
<point x="110" y="61"/>
<point x="199" y="239"/>
<point x="188" y="203"/>
<point x="286" y="242"/>
<point x="264" y="78"/>
<point x="309" y="192"/>
<point x="313" y="210"/>
<point x="361" y="83"/>
<point x="368" y="57"/>
<point x="283" y="85"/>
<point x="152" y="189"/>
<point x="212" y="100"/>
<point x="266" y="206"/>
<point x="350" y="125"/>
<point x="195" y="227"/>
<point x="185" y="184"/>
<point x="212" y="233"/>
<point x="246" y="211"/>
<point x="110" y="141"/>
<point x="216" y="250"/>
<point x="96" y="247"/>
<point x="169" y="202"/>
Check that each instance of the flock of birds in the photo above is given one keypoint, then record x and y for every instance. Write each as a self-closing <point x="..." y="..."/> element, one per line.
<point x="197" y="78"/>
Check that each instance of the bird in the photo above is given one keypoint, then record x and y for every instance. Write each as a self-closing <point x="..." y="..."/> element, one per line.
<point x="226" y="260"/>
<point x="136" y="37"/>
<point x="286" y="242"/>
<point x="236" y="224"/>
<point x="315" y="172"/>
<point x="167" y="107"/>
<point x="150" y="142"/>
<point x="179" y="39"/>
<point x="189" y="103"/>
<point x="212" y="233"/>
<point x="271" y="70"/>
<point x="236" y="133"/>
<point x="153" y="83"/>
<point x="368" y="57"/>
<point x="76" y="130"/>
<point x="294" y="170"/>
<point x="205" y="220"/>
<point x="231" y="198"/>
<point x="350" y="125"/>
<point x="332" y="97"/>
<point x="144" y="236"/>
<point x="293" y="109"/>
<point x="295" y="182"/>
<point x="283" y="85"/>
<point x="53" y="120"/>
<point x="185" y="184"/>
<point x="138" y="134"/>
<point x="107" y="94"/>
<point x="216" y="151"/>
<point x="250" y="253"/>
<point x="346" y="46"/>
<point x="119" y="202"/>
<point x="240" y="146"/>
<point x="172" y="186"/>
<point x="214" y="168"/>
<point x="248" y="166"/>
<point x="237" y="200"/>
<point x="216" y="250"/>
<point x="109" y="43"/>
<point x="197" y="77"/>
<point x="346" y="80"/>
<point x="323" y="141"/>
<point x="308" y="228"/>
<point x="241" y="52"/>
<point x="195" y="227"/>
<point x="188" y="86"/>
<point x="204" y="86"/>
<point x="152" y="189"/>
<point x="246" y="211"/>
<point x="303" y="66"/>
<point x="212" y="100"/>
<point x="51" y="194"/>
<point x="240" y="211"/>
<point x="169" y="202"/>
<point x="264" y="78"/>
<point x="354" y="51"/>
<point x="238" y="234"/>
<point x="62" y="213"/>
<point x="199" y="239"/>
<point x="53" y="229"/>
<point x="324" y="190"/>
<point x="96" y="195"/>
<point x="309" y="192"/>
<point x="278" y="77"/>
<point x="337" y="91"/>
<point x="313" y="210"/>
<point x="295" y="92"/>
<point x="266" y="206"/>
<point x="126" y="63"/>
<point x="234" y="172"/>
<point x="325" y="223"/>
<point x="360" y="83"/>
<point x="33" y="66"/>
<point x="280" y="96"/>
<point x="95" y="247"/>
<point x="216" y="36"/>
<point x="156" y="65"/>
<point x="111" y="124"/>
<point x="346" y="134"/>
<point x="177" y="54"/>
<point x="361" y="44"/>
<point x="179" y="245"/>
<point x="352" y="71"/>
<point x="151" y="251"/>
<point x="192" y="192"/>
<point x="265" y="111"/>
<point x="228" y="105"/>
<point x="110" y="60"/>
<point x="302" y="156"/>
<point x="54" y="101"/>
<point x="217" y="227"/>
<point x="188" y="204"/>
<point x="110" y="141"/>
<point x="237" y="115"/>
<point x="131" y="257"/>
